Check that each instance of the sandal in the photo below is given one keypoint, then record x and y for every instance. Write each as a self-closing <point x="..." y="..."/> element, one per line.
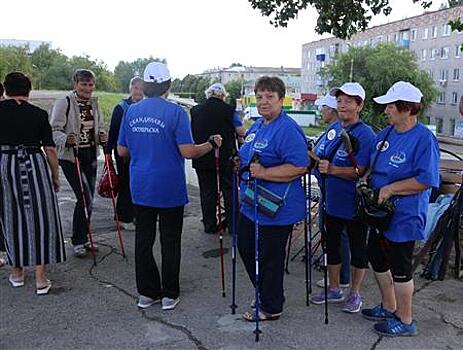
<point x="44" y="289"/>
<point x="250" y="316"/>
<point x="15" y="282"/>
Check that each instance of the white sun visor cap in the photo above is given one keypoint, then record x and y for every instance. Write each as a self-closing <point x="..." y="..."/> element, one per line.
<point x="327" y="100"/>
<point x="216" y="88"/>
<point x="156" y="72"/>
<point x="351" y="89"/>
<point x="400" y="91"/>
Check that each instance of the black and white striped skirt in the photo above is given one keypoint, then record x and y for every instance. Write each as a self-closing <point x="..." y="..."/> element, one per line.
<point x="29" y="216"/>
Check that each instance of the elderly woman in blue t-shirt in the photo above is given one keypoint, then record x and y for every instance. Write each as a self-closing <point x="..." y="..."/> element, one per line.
<point x="281" y="148"/>
<point x="406" y="167"/>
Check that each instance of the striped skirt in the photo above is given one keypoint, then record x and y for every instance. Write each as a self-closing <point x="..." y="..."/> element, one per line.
<point x="29" y="216"/>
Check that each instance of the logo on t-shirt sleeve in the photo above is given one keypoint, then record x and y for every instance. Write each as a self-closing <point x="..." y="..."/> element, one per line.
<point x="385" y="146"/>
<point x="250" y="138"/>
<point x="331" y="134"/>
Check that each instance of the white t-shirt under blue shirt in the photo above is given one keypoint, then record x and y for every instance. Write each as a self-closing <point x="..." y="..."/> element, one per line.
<point x="410" y="154"/>
<point x="152" y="130"/>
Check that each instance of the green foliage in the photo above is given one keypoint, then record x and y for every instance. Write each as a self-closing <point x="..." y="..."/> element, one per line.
<point x="14" y="59"/>
<point x="342" y="18"/>
<point x="107" y="102"/>
<point x="125" y="71"/>
<point x="234" y="89"/>
<point x="191" y="86"/>
<point x="453" y="3"/>
<point x="377" y="68"/>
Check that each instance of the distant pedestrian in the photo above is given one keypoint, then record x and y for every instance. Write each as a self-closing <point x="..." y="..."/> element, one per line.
<point x="124" y="204"/>
<point x="29" y="215"/>
<point x="215" y="116"/>
<point x="76" y="122"/>
<point x="156" y="134"/>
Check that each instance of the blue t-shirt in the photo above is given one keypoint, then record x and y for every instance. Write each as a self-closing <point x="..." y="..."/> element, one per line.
<point x="280" y="142"/>
<point x="411" y="154"/>
<point x="237" y="120"/>
<point x="341" y="194"/>
<point x="333" y="130"/>
<point x="152" y="129"/>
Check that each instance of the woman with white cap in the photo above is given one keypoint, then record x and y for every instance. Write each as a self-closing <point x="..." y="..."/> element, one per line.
<point x="328" y="107"/>
<point x="405" y="169"/>
<point x="339" y="176"/>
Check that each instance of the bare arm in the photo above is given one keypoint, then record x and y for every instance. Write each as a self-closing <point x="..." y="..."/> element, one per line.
<point x="52" y="159"/>
<point x="401" y="188"/>
<point x="347" y="173"/>
<point x="122" y="151"/>
<point x="192" y="151"/>
<point x="280" y="173"/>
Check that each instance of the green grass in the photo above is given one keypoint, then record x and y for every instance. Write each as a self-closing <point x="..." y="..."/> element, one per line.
<point x="107" y="101"/>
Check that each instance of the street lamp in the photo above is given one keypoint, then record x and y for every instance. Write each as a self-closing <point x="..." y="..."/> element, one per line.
<point x="349" y="45"/>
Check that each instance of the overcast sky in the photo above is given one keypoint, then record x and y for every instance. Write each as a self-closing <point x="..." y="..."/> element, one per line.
<point x="192" y="35"/>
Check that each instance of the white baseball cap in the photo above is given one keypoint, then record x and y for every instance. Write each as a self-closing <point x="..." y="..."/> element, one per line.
<point x="156" y="72"/>
<point x="351" y="89"/>
<point x="327" y="100"/>
<point x="400" y="91"/>
<point x="216" y="88"/>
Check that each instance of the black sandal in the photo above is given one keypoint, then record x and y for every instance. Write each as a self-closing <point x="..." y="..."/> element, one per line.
<point x="250" y="316"/>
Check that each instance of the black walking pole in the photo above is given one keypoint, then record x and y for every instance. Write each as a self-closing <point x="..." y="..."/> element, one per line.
<point x="219" y="220"/>
<point x="306" y="241"/>
<point x="323" y="240"/>
<point x="84" y="200"/>
<point x="234" y="240"/>
<point x="288" y="252"/>
<point x="257" y="331"/>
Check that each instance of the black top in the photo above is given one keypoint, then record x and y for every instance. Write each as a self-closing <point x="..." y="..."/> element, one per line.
<point x="24" y="124"/>
<point x="115" y="126"/>
<point x="214" y="116"/>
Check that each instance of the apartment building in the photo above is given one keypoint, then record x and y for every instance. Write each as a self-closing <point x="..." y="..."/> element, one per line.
<point x="429" y="36"/>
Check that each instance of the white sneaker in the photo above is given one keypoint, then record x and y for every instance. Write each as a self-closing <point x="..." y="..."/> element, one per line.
<point x="128" y="226"/>
<point x="321" y="284"/>
<point x="79" y="251"/>
<point x="145" y="302"/>
<point x="169" y="304"/>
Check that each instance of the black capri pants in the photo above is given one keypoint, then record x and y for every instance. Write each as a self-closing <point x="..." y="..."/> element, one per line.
<point x="357" y="233"/>
<point x="385" y="255"/>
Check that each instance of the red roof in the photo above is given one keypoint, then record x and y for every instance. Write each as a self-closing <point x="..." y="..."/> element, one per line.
<point x="308" y="97"/>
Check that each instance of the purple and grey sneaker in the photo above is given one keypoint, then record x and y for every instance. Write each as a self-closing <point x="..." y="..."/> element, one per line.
<point x="334" y="296"/>
<point x="353" y="303"/>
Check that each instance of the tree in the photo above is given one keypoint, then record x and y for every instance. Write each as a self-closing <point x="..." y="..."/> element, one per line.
<point x="14" y="59"/>
<point x="191" y="86"/>
<point x="234" y="89"/>
<point x="377" y="68"/>
<point x="125" y="71"/>
<point x="453" y="3"/>
<point x="342" y="18"/>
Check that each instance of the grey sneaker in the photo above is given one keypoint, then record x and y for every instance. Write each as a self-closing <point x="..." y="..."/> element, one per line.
<point x="79" y="251"/>
<point x="95" y="246"/>
<point x="169" y="304"/>
<point x="334" y="296"/>
<point x="145" y="302"/>
<point x="353" y="303"/>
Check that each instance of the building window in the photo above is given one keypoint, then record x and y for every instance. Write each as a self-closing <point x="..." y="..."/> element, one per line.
<point x="456" y="74"/>
<point x="444" y="53"/>
<point x="308" y="54"/>
<point x="439" y="125"/>
<point x="423" y="54"/>
<point x="433" y="54"/>
<point x="446" y="30"/>
<point x="434" y="32"/>
<point x="396" y="37"/>
<point x="413" y="34"/>
<point x="425" y="33"/>
<point x="441" y="98"/>
<point x="431" y="74"/>
<point x="452" y="127"/>
<point x="457" y="51"/>
<point x="454" y="98"/>
<point x="444" y="74"/>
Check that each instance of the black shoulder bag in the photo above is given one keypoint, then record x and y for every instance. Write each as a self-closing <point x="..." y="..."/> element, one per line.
<point x="368" y="210"/>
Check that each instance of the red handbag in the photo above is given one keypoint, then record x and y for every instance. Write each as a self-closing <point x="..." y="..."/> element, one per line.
<point x="108" y="180"/>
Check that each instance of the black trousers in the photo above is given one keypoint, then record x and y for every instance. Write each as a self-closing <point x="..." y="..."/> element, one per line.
<point x="88" y="167"/>
<point x="149" y="282"/>
<point x="357" y="233"/>
<point x="272" y="253"/>
<point x="124" y="204"/>
<point x="207" y="179"/>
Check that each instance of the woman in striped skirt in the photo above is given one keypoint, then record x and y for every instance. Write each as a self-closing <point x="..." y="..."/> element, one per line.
<point x="29" y="214"/>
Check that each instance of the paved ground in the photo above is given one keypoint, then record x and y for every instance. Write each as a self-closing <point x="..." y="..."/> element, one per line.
<point x="94" y="307"/>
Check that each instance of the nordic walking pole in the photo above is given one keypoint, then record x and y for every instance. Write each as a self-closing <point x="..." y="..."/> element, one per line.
<point x="288" y="253"/>
<point x="306" y="242"/>
<point x="310" y="236"/>
<point x="219" y="220"/>
<point x="234" y="241"/>
<point x="323" y="243"/>
<point x="84" y="200"/>
<point x="257" y="331"/>
<point x="116" y="215"/>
